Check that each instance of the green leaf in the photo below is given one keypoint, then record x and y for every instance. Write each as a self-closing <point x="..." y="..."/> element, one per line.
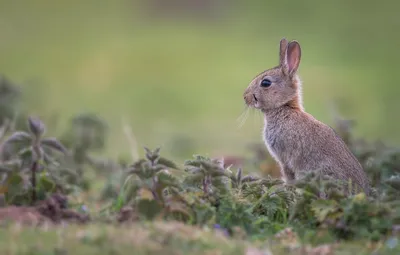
<point x="14" y="179"/>
<point x="177" y="210"/>
<point x="54" y="144"/>
<point x="157" y="168"/>
<point x="14" y="189"/>
<point x="167" y="163"/>
<point x="394" y="182"/>
<point x="18" y="137"/>
<point x="49" y="160"/>
<point x="249" y="178"/>
<point x="47" y="184"/>
<point x="193" y="179"/>
<point x="239" y="176"/>
<point x="130" y="188"/>
<point x="119" y="203"/>
<point x="36" y="126"/>
<point x="152" y="155"/>
<point x="148" y="208"/>
<point x="322" y="208"/>
<point x="195" y="170"/>
<point x="223" y="184"/>
<point x="25" y="154"/>
<point x="166" y="179"/>
<point x="5" y="170"/>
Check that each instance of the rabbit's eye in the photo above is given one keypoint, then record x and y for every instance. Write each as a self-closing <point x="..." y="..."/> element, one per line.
<point x="266" y="83"/>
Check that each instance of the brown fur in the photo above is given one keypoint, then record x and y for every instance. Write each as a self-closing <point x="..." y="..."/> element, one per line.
<point x="296" y="140"/>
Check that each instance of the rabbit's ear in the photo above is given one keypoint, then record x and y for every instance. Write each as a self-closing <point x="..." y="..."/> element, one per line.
<point x="282" y="51"/>
<point x="292" y="59"/>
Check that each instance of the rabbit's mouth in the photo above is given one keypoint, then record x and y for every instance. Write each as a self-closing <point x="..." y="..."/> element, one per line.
<point x="251" y="100"/>
<point x="255" y="98"/>
<point x="256" y="102"/>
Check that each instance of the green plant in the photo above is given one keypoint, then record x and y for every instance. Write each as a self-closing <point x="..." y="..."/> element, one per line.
<point x="86" y="134"/>
<point x="33" y="154"/>
<point x="149" y="187"/>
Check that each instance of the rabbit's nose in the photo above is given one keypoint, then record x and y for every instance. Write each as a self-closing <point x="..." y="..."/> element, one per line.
<point x="247" y="98"/>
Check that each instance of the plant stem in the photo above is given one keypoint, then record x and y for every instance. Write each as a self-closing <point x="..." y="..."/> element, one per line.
<point x="205" y="186"/>
<point x="153" y="189"/>
<point x="33" y="172"/>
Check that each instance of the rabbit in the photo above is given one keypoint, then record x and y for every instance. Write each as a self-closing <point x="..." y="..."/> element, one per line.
<point x="294" y="138"/>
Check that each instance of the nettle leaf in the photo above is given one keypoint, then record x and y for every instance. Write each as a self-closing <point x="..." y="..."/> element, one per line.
<point x="168" y="163"/>
<point x="323" y="208"/>
<point x="249" y="178"/>
<point x="46" y="184"/>
<point x="191" y="163"/>
<point x="239" y="176"/>
<point x="195" y="170"/>
<point x="145" y="193"/>
<point x="222" y="183"/>
<point x="269" y="182"/>
<point x="49" y="160"/>
<point x="210" y="166"/>
<point x="14" y="188"/>
<point x="157" y="151"/>
<point x="131" y="187"/>
<point x="54" y="144"/>
<point x="36" y="126"/>
<point x="14" y="179"/>
<point x="157" y="168"/>
<point x="25" y="153"/>
<point x="177" y="210"/>
<point x="148" y="209"/>
<point x="152" y="155"/>
<point x="220" y="172"/>
<point x="3" y="189"/>
<point x="19" y="137"/>
<point x="197" y="162"/>
<point x="274" y="203"/>
<point x="193" y="179"/>
<point x="394" y="182"/>
<point x="5" y="169"/>
<point x="137" y="164"/>
<point x="203" y="212"/>
<point x="166" y="179"/>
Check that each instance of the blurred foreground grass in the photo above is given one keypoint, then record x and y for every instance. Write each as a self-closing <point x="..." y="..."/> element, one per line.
<point x="158" y="238"/>
<point x="155" y="238"/>
<point x="181" y="78"/>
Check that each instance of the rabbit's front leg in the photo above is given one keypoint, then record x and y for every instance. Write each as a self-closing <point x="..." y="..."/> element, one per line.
<point x="287" y="174"/>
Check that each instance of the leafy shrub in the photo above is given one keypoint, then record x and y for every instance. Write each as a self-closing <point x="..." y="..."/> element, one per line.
<point x="205" y="192"/>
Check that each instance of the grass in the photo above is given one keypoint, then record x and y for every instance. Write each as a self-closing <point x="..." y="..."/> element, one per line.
<point x="157" y="238"/>
<point x="154" y="238"/>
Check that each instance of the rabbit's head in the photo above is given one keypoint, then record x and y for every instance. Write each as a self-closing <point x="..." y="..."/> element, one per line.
<point x="280" y="85"/>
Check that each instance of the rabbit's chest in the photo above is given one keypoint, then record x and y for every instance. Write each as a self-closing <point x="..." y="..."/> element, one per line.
<point x="281" y="145"/>
<point x="272" y="142"/>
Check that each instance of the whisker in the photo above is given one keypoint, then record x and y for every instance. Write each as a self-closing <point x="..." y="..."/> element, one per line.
<point x="260" y="115"/>
<point x="256" y="118"/>
<point x="243" y="117"/>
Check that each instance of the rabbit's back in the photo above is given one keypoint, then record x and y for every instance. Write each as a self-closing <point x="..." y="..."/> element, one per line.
<point x="301" y="143"/>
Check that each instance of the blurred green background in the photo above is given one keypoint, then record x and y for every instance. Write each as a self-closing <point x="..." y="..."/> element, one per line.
<point x="176" y="70"/>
